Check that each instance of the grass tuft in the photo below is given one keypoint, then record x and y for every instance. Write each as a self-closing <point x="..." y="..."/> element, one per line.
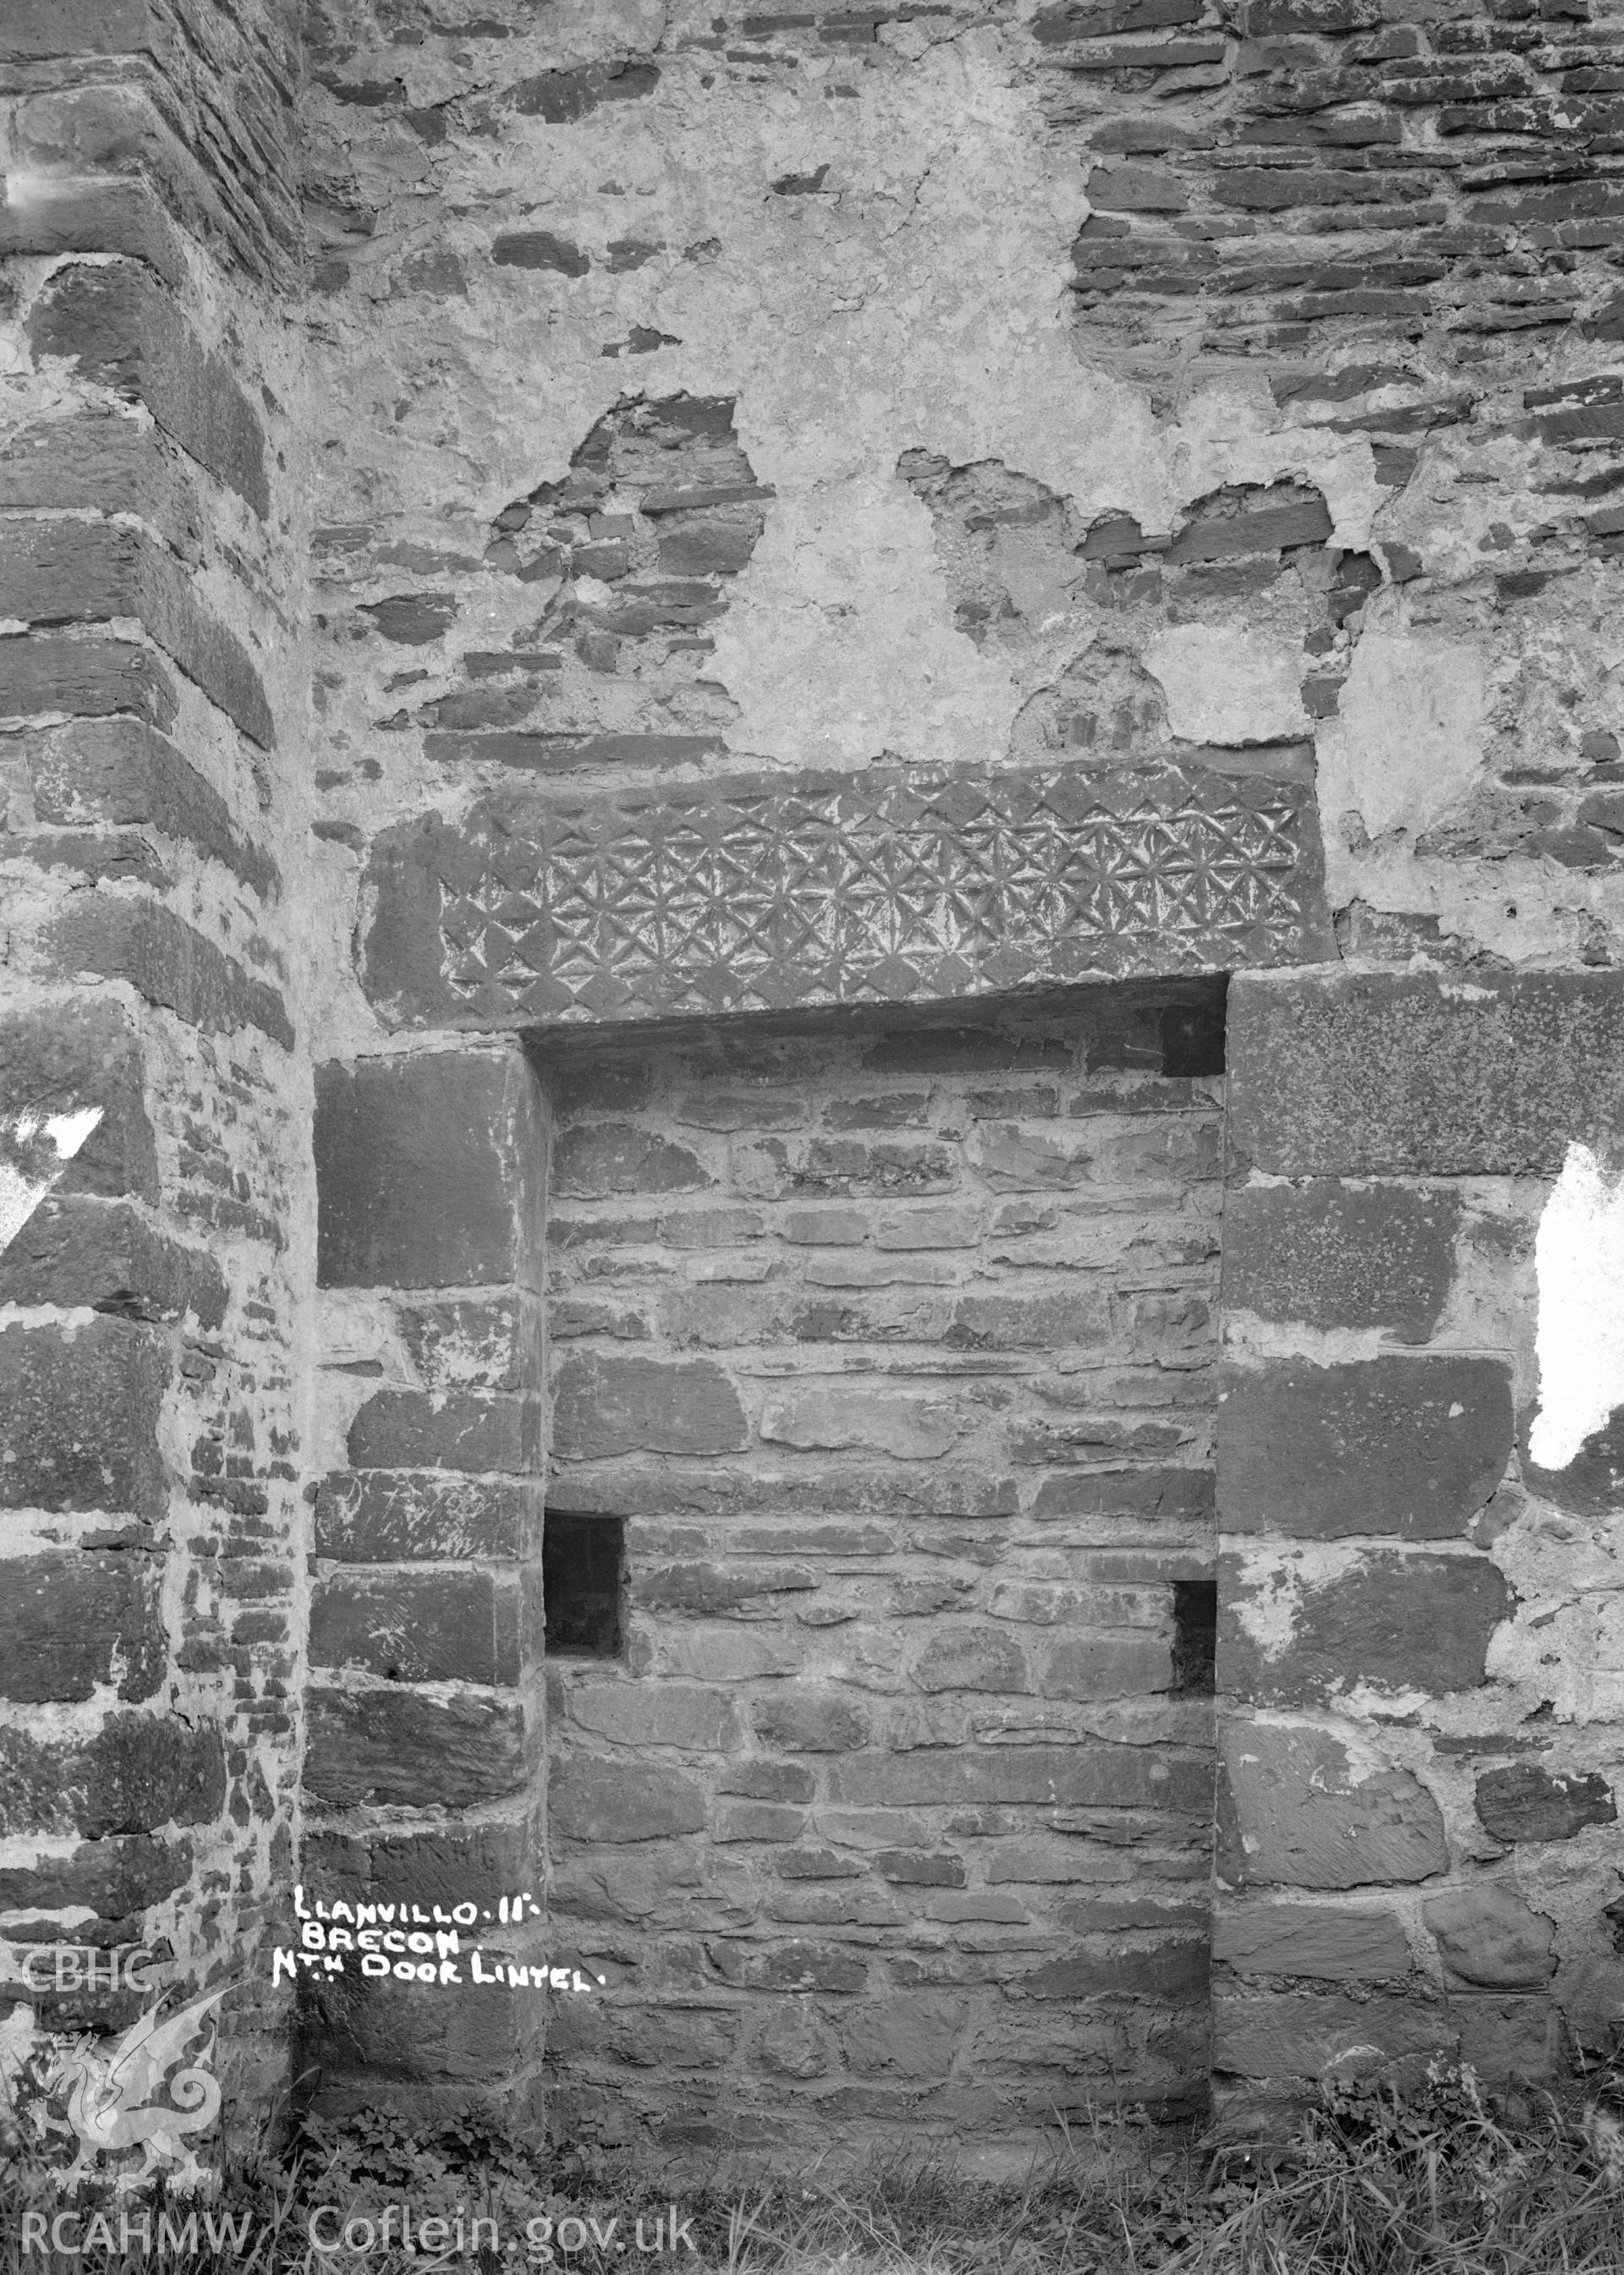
<point x="1443" y="2180"/>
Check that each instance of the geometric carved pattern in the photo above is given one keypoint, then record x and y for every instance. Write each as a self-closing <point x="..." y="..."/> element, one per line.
<point x="889" y="886"/>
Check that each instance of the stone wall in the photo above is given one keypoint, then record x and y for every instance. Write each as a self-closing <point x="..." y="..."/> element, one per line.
<point x="1020" y="496"/>
<point x="840" y="508"/>
<point x="153" y="1349"/>
<point x="891" y="1350"/>
<point x="1417" y="1641"/>
<point x="424" y="1784"/>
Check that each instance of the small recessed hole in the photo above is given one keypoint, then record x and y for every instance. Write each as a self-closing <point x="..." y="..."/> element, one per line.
<point x="1195" y="1636"/>
<point x="583" y="1561"/>
<point x="1192" y="1036"/>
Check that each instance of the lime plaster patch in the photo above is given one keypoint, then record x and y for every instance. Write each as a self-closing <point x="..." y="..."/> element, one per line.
<point x="1409" y="739"/>
<point x="1227" y="686"/>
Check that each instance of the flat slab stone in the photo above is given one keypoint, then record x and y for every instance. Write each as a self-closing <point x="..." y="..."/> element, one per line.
<point x="1298" y="2034"/>
<point x="1294" y="1810"/>
<point x="1390" y="1621"/>
<point x="1526" y="1802"/>
<point x="771" y="891"/>
<point x="1412" y="1446"/>
<point x="1488" y="1935"/>
<point x="1310" y="1940"/>
<point x="1336" y="1255"/>
<point x="1417" y="1074"/>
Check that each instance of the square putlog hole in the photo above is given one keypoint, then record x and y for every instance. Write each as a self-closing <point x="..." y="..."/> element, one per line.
<point x="1193" y="1039"/>
<point x="1195" y="1636"/>
<point x="583" y="1566"/>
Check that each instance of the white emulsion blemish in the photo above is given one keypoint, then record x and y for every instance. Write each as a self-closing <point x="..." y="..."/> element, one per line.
<point x="20" y="1193"/>
<point x="1579" y="1341"/>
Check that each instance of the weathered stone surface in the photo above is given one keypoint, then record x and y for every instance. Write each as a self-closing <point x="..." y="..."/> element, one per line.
<point x="116" y="1878"/>
<point x="388" y="2030"/>
<point x="59" y="572"/>
<point x="403" y="1746"/>
<point x="478" y="1863"/>
<point x="1339" y="1256"/>
<point x="1391" y="1074"/>
<point x="412" y="619"/>
<point x="99" y="856"/>
<point x="1107" y="1663"/>
<point x="1409" y="1446"/>
<point x="429" y="1171"/>
<point x="1506" y="2039"/>
<point x="72" y="1057"/>
<point x="1029" y="1322"/>
<point x="1074" y="1777"/>
<point x="48" y="673"/>
<point x="744" y="1820"/>
<point x="1525" y="1802"/>
<point x="539" y="248"/>
<point x="100" y="461"/>
<point x="1175" y="1970"/>
<point x="603" y="1407"/>
<point x="920" y="1868"/>
<point x="492" y="1343"/>
<point x="431" y="957"/>
<point x="1298" y="2034"/>
<point x="419" y="1627"/>
<point x="76" y="1620"/>
<point x="1178" y="1495"/>
<point x="563" y="96"/>
<point x="139" y="1771"/>
<point x="1303" y="1939"/>
<point x="702" y="1588"/>
<point x="395" y="1516"/>
<point x="945" y="1490"/>
<point x="169" y="962"/>
<point x="600" y="1797"/>
<point x="804" y="1720"/>
<point x="1294" y="1810"/>
<point x="78" y="1418"/>
<point x="1590" y="1993"/>
<point x="76" y="1251"/>
<point x="959" y="1656"/>
<point x="124" y="331"/>
<point x="459" y="1430"/>
<point x="1389" y="1623"/>
<point x="791" y="1967"/>
<point x="796" y="2043"/>
<point x="760" y="1781"/>
<point x="597" y="1158"/>
<point x="111" y="216"/>
<point x="120" y="770"/>
<point x="683" y="1714"/>
<point x="911" y="1428"/>
<point x="1490" y="1935"/>
<point x="915" y="2037"/>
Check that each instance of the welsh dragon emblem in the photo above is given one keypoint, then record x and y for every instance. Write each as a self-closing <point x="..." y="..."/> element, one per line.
<point x="112" y="2104"/>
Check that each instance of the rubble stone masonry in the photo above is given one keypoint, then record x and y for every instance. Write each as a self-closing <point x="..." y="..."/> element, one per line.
<point x="894" y="1351"/>
<point x="812" y="846"/>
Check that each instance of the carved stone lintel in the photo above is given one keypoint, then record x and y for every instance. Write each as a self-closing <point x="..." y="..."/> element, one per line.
<point x="776" y="891"/>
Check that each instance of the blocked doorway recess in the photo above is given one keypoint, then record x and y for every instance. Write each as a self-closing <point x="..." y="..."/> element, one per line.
<point x="880" y="1568"/>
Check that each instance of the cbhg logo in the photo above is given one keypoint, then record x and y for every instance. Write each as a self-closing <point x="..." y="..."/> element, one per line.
<point x="79" y="1966"/>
